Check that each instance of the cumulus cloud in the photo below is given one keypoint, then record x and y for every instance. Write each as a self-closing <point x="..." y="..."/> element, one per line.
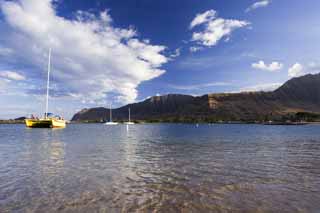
<point x="258" y="4"/>
<point x="203" y="18"/>
<point x="215" y="28"/>
<point x="299" y="69"/>
<point x="261" y="65"/>
<point x="296" y="70"/>
<point x="9" y="75"/>
<point x="91" y="59"/>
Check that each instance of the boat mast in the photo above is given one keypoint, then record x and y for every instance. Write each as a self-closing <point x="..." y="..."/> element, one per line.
<point x="48" y="83"/>
<point x="110" y="113"/>
<point x="129" y="114"/>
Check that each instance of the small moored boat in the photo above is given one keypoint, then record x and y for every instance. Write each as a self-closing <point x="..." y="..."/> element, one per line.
<point x="111" y="122"/>
<point x="129" y="121"/>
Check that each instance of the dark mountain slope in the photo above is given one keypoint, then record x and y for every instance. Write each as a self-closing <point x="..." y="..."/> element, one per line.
<point x="302" y="92"/>
<point x="296" y="95"/>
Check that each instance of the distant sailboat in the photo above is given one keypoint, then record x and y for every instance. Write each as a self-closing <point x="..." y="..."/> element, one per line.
<point x="129" y="121"/>
<point x="48" y="121"/>
<point x="110" y="122"/>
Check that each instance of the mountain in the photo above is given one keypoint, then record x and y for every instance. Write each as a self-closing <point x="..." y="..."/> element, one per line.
<point x="296" y="96"/>
<point x="20" y="119"/>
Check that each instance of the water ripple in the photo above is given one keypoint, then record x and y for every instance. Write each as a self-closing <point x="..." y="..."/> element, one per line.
<point x="160" y="168"/>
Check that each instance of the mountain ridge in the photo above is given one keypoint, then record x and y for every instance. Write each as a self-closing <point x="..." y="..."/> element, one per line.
<point x="301" y="94"/>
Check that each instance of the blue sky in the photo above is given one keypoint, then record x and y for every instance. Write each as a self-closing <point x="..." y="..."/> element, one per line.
<point x="125" y="51"/>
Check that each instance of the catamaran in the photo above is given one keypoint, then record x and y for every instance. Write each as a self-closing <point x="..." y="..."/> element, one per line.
<point x="129" y="121"/>
<point x="48" y="121"/>
<point x="110" y="122"/>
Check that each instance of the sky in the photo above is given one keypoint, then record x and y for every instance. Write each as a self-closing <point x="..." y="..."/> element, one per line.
<point x="111" y="52"/>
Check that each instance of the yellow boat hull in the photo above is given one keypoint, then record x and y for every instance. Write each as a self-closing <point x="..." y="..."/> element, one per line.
<point x="45" y="123"/>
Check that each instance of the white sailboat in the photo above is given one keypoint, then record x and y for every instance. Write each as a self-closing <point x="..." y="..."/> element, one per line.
<point x="110" y="122"/>
<point x="129" y="121"/>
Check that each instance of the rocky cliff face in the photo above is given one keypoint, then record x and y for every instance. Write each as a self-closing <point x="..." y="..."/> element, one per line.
<point x="297" y="95"/>
<point x="148" y="109"/>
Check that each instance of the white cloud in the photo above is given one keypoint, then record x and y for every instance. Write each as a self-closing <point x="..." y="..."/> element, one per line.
<point x="296" y="70"/>
<point x="176" y="53"/>
<point x="195" y="49"/>
<point x="199" y="86"/>
<point x="215" y="28"/>
<point x="261" y="87"/>
<point x="91" y="59"/>
<point x="203" y="18"/>
<point x="9" y="75"/>
<point x="261" y="65"/>
<point x="299" y="69"/>
<point x="259" y="4"/>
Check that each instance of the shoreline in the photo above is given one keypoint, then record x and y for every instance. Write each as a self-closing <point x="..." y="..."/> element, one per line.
<point x="208" y="123"/>
<point x="274" y="123"/>
<point x="12" y="121"/>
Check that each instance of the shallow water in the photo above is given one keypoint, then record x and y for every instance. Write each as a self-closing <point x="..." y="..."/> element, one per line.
<point x="160" y="168"/>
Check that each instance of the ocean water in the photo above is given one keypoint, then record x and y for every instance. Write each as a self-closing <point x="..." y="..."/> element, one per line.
<point x="160" y="168"/>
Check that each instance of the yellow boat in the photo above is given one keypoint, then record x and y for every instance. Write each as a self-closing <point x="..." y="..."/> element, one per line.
<point x="47" y="121"/>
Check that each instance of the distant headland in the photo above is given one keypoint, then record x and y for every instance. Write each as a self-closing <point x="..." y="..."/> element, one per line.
<point x="296" y="101"/>
<point x="13" y="121"/>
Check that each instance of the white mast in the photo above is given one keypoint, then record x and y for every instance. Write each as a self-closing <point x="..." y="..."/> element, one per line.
<point x="129" y="115"/>
<point x="110" y="113"/>
<point x="48" y="84"/>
